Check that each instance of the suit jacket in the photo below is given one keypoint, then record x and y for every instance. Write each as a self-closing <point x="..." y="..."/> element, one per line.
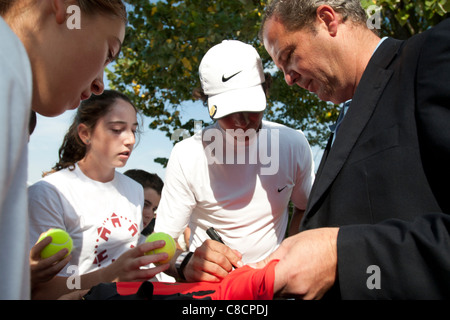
<point x="384" y="180"/>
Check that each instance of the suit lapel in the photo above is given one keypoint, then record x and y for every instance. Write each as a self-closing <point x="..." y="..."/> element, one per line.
<point x="368" y="93"/>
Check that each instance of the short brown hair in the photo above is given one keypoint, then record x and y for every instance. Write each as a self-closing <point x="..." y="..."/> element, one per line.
<point x="146" y="179"/>
<point x="298" y="14"/>
<point x="111" y="7"/>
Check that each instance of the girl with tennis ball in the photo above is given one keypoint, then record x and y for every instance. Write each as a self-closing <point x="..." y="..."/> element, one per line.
<point x="100" y="208"/>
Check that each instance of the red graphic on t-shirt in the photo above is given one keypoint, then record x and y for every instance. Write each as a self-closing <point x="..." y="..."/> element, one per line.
<point x="100" y="257"/>
<point x="103" y="233"/>
<point x="106" y="232"/>
<point x="134" y="229"/>
<point x="115" y="221"/>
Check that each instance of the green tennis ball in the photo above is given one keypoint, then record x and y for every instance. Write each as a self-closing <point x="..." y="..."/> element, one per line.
<point x="60" y="240"/>
<point x="169" y="248"/>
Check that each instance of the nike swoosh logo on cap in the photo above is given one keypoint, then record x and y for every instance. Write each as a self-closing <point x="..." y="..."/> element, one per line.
<point x="225" y="79"/>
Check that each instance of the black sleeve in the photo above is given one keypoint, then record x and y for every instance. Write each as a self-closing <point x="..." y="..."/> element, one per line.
<point x="433" y="111"/>
<point x="410" y="260"/>
<point x="396" y="259"/>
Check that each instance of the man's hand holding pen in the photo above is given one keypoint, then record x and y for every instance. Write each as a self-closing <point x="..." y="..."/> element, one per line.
<point x="212" y="261"/>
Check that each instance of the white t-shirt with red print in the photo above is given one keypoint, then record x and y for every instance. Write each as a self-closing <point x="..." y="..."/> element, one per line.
<point x="103" y="219"/>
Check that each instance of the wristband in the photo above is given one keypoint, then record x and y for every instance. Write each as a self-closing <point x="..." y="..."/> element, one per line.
<point x="181" y="262"/>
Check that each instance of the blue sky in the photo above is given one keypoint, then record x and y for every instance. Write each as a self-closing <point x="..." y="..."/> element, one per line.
<point x="49" y="133"/>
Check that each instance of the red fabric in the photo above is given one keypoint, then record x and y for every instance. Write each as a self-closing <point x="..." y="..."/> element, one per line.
<point x="245" y="283"/>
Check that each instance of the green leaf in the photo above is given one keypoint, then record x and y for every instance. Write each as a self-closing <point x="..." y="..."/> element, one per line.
<point x="166" y="41"/>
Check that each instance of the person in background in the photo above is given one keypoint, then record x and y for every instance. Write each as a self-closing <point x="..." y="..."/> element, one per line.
<point x="153" y="186"/>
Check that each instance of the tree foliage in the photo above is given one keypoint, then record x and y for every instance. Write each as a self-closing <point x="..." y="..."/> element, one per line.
<point x="166" y="40"/>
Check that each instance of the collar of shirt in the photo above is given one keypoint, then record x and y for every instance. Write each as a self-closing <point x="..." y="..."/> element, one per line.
<point x="345" y="105"/>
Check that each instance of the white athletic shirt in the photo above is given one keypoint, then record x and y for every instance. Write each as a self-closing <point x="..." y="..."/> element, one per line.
<point x="103" y="219"/>
<point x="247" y="201"/>
<point x="15" y="105"/>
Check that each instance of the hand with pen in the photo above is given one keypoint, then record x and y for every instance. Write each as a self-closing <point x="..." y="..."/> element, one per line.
<point x="212" y="261"/>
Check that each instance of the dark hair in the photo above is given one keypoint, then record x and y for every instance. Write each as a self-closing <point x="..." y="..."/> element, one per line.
<point x="32" y="122"/>
<point x="199" y="94"/>
<point x="111" y="7"/>
<point x="298" y="14"/>
<point x="5" y="5"/>
<point x="146" y="179"/>
<point x="89" y="112"/>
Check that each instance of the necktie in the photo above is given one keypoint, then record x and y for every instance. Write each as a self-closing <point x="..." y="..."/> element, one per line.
<point x="335" y="127"/>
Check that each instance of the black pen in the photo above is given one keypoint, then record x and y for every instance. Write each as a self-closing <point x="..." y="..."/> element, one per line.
<point x="212" y="233"/>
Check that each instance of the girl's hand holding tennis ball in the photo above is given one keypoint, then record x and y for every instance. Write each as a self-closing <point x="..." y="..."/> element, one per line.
<point x="45" y="268"/>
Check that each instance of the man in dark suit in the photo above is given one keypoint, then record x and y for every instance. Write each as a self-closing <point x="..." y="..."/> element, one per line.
<point x="377" y="223"/>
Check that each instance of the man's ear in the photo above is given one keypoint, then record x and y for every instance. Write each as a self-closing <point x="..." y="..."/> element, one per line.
<point x="59" y="9"/>
<point x="329" y="18"/>
<point x="84" y="133"/>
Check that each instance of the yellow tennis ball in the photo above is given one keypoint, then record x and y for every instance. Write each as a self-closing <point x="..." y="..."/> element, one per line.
<point x="60" y="240"/>
<point x="169" y="248"/>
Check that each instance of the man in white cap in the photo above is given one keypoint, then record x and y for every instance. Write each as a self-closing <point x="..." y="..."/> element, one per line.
<point x="238" y="175"/>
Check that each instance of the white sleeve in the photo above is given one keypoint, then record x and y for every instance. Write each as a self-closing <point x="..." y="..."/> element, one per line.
<point x="304" y="174"/>
<point x="45" y="209"/>
<point x="177" y="199"/>
<point x="15" y="105"/>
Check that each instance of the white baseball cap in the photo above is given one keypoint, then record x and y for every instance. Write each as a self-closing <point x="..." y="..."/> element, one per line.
<point x="231" y="74"/>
